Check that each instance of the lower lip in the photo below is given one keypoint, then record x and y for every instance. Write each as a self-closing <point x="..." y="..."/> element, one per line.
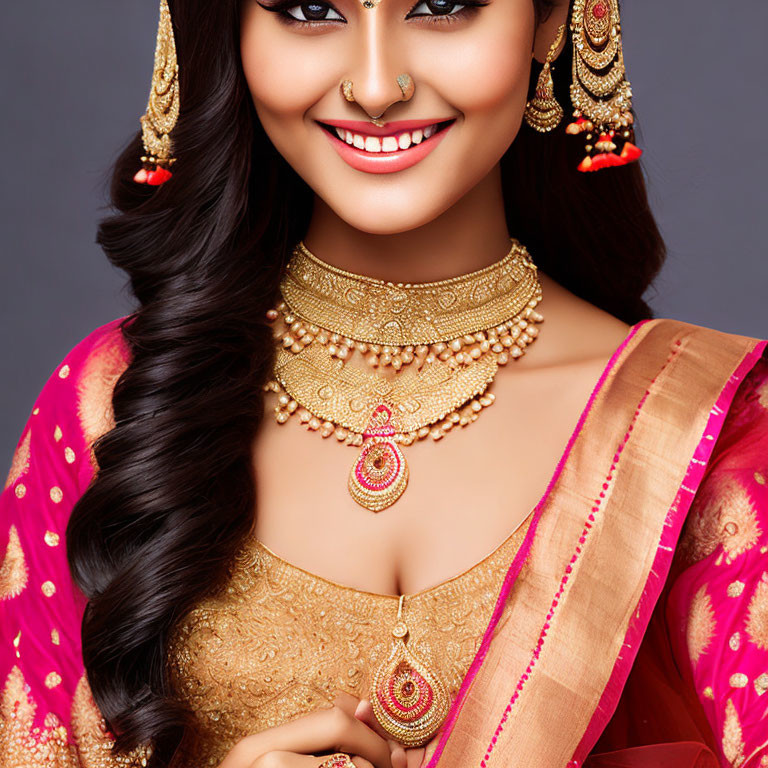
<point x="385" y="162"/>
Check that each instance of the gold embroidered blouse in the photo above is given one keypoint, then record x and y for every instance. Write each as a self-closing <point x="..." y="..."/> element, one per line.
<point x="276" y="642"/>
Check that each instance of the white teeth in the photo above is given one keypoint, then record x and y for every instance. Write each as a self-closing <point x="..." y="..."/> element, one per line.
<point x="386" y="143"/>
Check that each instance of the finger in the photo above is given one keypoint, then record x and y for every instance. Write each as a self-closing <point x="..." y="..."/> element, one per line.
<point x="430" y="750"/>
<point x="283" y="759"/>
<point x="330" y="730"/>
<point x="364" y="713"/>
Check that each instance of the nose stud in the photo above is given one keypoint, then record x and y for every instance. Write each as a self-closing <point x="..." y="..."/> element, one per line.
<point x="405" y="81"/>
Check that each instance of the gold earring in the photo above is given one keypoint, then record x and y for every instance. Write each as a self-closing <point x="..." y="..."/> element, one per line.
<point x="163" y="107"/>
<point x="543" y="112"/>
<point x="600" y="92"/>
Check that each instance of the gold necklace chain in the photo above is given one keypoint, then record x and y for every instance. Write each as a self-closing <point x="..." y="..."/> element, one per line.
<point x="379" y="365"/>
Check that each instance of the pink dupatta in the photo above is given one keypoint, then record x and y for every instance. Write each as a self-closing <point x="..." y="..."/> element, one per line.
<point x="595" y="662"/>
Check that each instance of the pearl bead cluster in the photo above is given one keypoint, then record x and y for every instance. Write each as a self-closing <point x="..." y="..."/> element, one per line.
<point x="506" y="341"/>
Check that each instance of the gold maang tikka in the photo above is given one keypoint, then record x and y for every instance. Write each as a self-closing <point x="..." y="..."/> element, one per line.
<point x="162" y="112"/>
<point x="380" y="365"/>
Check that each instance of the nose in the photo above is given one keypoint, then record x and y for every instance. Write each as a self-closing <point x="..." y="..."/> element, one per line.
<point x="380" y="61"/>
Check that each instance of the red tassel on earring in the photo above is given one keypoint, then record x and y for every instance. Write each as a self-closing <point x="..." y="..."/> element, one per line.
<point x="159" y="176"/>
<point x="152" y="176"/>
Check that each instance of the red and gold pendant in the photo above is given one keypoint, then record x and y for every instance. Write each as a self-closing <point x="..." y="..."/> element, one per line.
<point x="409" y="702"/>
<point x="380" y="474"/>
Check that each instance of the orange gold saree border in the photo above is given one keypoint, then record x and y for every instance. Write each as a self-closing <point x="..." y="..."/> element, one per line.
<point x="552" y="675"/>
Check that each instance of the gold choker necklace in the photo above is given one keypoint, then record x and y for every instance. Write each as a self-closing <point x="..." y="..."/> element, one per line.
<point x="380" y="364"/>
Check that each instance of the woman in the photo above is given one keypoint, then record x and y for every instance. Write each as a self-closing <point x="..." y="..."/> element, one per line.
<point x="355" y="215"/>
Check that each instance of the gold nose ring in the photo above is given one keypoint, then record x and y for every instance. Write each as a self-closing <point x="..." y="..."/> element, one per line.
<point x="404" y="81"/>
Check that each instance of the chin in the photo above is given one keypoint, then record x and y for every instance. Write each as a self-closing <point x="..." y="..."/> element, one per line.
<point x="388" y="212"/>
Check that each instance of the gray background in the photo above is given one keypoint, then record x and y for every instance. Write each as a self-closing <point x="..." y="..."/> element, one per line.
<point x="75" y="78"/>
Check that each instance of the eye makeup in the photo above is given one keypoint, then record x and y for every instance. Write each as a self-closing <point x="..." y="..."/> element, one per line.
<point x="467" y="9"/>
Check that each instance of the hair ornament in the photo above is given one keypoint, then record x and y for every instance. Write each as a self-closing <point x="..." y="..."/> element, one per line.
<point x="159" y="120"/>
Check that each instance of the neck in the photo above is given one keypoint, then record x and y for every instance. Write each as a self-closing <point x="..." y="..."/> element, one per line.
<point x="470" y="235"/>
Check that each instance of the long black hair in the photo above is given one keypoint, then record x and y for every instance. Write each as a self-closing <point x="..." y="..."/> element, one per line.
<point x="174" y="494"/>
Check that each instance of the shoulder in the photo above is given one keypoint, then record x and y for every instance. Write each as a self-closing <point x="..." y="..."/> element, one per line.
<point x="90" y="370"/>
<point x="729" y="514"/>
<point x="711" y="336"/>
<point x="73" y="407"/>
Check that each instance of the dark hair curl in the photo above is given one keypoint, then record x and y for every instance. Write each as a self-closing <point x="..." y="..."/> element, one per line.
<point x="174" y="494"/>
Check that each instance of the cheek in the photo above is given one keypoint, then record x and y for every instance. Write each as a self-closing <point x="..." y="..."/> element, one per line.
<point x="281" y="69"/>
<point x="489" y="73"/>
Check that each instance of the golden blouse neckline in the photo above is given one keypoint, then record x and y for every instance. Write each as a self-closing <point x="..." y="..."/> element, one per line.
<point x="515" y="536"/>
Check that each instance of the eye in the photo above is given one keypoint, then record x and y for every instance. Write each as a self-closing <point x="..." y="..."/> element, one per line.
<point x="313" y="10"/>
<point x="439" y="8"/>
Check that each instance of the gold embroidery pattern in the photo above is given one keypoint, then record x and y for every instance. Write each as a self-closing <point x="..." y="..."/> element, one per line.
<point x="13" y="572"/>
<point x="95" y="385"/>
<point x="276" y="642"/>
<point x="725" y="515"/>
<point x="20" y="743"/>
<point x="20" y="463"/>
<point x="762" y="395"/>
<point x="24" y="745"/>
<point x="733" y="742"/>
<point x="701" y="624"/>
<point x="757" y="615"/>
<point x="94" y="742"/>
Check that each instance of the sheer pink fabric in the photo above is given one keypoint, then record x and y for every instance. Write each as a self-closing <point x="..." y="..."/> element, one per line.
<point x="697" y="692"/>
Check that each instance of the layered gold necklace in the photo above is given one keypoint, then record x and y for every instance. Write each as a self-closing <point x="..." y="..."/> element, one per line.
<point x="378" y="365"/>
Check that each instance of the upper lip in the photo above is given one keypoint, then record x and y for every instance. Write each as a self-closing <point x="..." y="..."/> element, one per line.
<point x="363" y="126"/>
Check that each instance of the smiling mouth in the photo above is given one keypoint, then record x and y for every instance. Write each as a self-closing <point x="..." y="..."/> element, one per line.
<point x="396" y="142"/>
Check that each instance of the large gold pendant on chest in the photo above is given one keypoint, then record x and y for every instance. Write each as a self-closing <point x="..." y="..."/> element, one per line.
<point x="409" y="702"/>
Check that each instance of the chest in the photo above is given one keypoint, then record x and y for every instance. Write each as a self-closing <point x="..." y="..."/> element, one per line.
<point x="466" y="492"/>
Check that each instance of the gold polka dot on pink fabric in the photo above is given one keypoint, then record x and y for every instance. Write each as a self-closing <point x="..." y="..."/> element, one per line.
<point x="56" y="494"/>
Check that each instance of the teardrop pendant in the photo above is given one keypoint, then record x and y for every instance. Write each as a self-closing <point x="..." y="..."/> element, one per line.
<point x="380" y="474"/>
<point x="409" y="702"/>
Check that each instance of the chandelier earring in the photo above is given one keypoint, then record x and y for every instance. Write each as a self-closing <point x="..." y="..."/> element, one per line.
<point x="543" y="112"/>
<point x="163" y="107"/>
<point x="600" y="93"/>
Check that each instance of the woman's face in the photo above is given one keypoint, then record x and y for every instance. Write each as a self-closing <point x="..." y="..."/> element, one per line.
<point x="470" y="65"/>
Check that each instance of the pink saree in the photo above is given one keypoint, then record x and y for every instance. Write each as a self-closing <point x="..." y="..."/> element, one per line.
<point x="638" y="633"/>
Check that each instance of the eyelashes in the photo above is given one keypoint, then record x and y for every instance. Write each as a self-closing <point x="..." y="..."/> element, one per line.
<point x="467" y="9"/>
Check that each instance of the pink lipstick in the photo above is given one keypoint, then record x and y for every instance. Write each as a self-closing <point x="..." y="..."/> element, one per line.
<point x="385" y="161"/>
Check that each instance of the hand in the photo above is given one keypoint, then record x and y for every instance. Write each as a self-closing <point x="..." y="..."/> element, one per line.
<point x="415" y="757"/>
<point x="302" y="742"/>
